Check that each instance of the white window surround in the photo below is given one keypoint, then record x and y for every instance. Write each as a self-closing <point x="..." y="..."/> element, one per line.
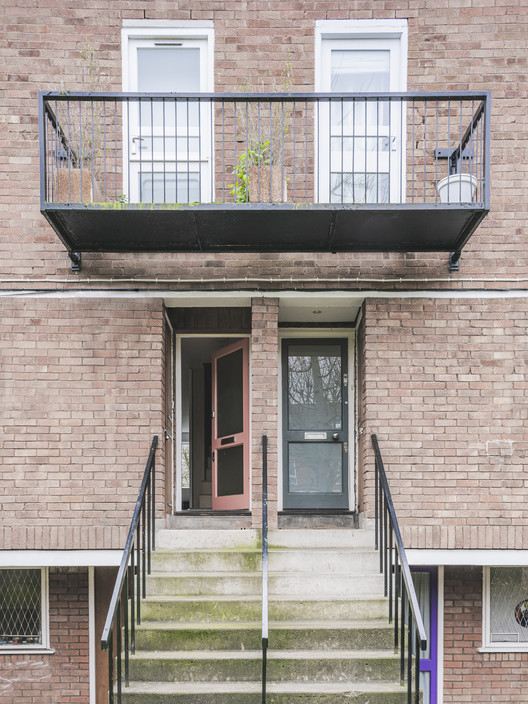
<point x="487" y="645"/>
<point x="362" y="29"/>
<point x="166" y="30"/>
<point x="44" y="615"/>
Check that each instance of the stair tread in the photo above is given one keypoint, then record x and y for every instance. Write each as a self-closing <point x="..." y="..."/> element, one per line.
<point x="256" y="625"/>
<point x="339" y="687"/>
<point x="257" y="654"/>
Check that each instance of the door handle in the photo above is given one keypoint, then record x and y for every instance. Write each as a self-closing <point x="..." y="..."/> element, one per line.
<point x="335" y="436"/>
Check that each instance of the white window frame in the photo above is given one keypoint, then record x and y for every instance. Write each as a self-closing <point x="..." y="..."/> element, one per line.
<point x="193" y="31"/>
<point x="487" y="644"/>
<point x="44" y="614"/>
<point x="379" y="34"/>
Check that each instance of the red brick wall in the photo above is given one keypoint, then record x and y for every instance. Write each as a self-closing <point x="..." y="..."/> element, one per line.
<point x="61" y="677"/>
<point x="453" y="45"/>
<point x="81" y="400"/>
<point x="444" y="388"/>
<point x="264" y="402"/>
<point x="470" y="676"/>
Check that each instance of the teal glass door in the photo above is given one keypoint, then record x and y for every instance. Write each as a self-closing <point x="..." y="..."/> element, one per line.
<point x="315" y="424"/>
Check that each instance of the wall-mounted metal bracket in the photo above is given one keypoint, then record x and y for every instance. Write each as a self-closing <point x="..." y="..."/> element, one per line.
<point x="454" y="157"/>
<point x="75" y="260"/>
<point x="454" y="261"/>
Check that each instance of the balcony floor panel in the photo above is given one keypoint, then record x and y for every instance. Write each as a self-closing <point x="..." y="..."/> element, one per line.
<point x="264" y="228"/>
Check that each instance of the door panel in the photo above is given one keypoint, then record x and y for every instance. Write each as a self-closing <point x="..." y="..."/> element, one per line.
<point x="315" y="425"/>
<point x="230" y="437"/>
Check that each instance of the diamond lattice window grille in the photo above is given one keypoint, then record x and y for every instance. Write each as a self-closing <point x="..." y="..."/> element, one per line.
<point x="20" y="607"/>
<point x="509" y="604"/>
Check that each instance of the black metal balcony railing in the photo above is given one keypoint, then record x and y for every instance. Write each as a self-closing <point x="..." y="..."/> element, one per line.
<point x="211" y="154"/>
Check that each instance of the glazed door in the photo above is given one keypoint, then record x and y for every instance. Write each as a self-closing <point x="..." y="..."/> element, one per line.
<point x="230" y="440"/>
<point x="168" y="143"/>
<point x="315" y="424"/>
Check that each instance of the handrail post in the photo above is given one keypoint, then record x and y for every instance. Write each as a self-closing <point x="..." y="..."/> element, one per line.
<point x="265" y="625"/>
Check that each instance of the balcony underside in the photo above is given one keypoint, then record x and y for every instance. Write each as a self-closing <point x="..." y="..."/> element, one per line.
<point x="264" y="228"/>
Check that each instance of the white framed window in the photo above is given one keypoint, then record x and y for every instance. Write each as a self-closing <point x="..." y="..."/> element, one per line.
<point x="361" y="143"/>
<point x="24" y="608"/>
<point x="168" y="146"/>
<point x="505" y="608"/>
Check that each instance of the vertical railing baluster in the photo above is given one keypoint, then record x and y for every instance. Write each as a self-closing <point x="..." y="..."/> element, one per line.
<point x="111" y="667"/>
<point x="143" y="551"/>
<point x="402" y="631"/>
<point x="127" y="630"/>
<point x="132" y="599"/>
<point x="306" y="151"/>
<point x="397" y="577"/>
<point x="390" y="575"/>
<point x="294" y="156"/>
<point x="385" y="545"/>
<point x="413" y="151"/>
<point x="153" y="500"/>
<point x="148" y="517"/>
<point x="138" y="574"/>
<point x="376" y="507"/>
<point x="118" y="653"/>
<point x="417" y="669"/>
<point x="199" y="105"/>
<point x="425" y="153"/>
<point x="409" y="654"/>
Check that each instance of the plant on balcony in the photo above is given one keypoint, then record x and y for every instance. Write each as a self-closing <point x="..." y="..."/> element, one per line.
<point x="82" y="147"/>
<point x="259" y="170"/>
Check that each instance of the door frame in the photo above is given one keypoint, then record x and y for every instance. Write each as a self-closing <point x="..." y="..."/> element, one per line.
<point x="167" y="31"/>
<point x="176" y="490"/>
<point x="318" y="334"/>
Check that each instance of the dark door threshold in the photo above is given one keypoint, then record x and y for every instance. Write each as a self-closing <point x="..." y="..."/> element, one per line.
<point x="211" y="512"/>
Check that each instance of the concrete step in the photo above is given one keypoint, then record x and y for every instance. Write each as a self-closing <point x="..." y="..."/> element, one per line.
<point x="214" y="537"/>
<point x="283" y="666"/>
<point x="226" y="609"/>
<point x="280" y="584"/>
<point x="277" y="693"/>
<point x="362" y="635"/>
<point x="328" y="560"/>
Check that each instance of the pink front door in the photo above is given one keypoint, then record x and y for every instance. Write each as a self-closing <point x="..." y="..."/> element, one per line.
<point x="230" y="443"/>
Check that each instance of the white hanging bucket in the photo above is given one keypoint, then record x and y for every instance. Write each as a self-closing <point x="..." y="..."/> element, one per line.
<point x="457" y="188"/>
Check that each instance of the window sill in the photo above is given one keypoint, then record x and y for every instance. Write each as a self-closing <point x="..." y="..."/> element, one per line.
<point x="26" y="649"/>
<point x="514" y="648"/>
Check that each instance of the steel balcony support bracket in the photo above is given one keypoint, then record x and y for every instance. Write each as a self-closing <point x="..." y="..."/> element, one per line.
<point x="75" y="260"/>
<point x="454" y="261"/>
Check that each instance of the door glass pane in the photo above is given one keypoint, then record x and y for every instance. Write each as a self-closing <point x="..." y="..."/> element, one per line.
<point x="168" y="70"/>
<point x="230" y="395"/>
<point x="315" y="468"/>
<point x="314" y="387"/>
<point x="422" y="585"/>
<point x="169" y="187"/>
<point x="230" y="471"/>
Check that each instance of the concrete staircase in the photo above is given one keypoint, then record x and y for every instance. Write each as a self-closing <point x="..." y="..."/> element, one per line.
<point x="200" y="638"/>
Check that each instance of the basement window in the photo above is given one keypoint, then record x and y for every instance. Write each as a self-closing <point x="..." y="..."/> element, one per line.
<point x="506" y="608"/>
<point x="23" y="618"/>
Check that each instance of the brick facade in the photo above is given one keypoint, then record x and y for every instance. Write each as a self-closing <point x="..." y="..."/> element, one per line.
<point x="470" y="676"/>
<point x="61" y="677"/>
<point x="81" y="400"/>
<point x="443" y="387"/>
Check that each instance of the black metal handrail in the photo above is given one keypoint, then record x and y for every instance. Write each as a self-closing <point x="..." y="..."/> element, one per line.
<point x="174" y="148"/>
<point x="264" y="564"/>
<point x="398" y="582"/>
<point x="130" y="584"/>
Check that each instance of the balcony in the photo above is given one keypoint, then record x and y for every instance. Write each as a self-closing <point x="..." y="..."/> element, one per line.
<point x="396" y="172"/>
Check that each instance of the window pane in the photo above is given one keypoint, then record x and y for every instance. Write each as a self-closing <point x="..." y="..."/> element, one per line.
<point x="314" y="387"/>
<point x="315" y="468"/>
<point x="359" y="188"/>
<point x="509" y="604"/>
<point x="20" y="607"/>
<point x="169" y="187"/>
<point x="230" y="394"/>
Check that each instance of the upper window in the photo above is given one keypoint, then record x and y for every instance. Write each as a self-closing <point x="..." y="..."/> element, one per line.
<point x="22" y="615"/>
<point x="506" y="608"/>
<point x="361" y="139"/>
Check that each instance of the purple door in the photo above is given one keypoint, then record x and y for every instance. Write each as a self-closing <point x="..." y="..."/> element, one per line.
<point x="426" y="585"/>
